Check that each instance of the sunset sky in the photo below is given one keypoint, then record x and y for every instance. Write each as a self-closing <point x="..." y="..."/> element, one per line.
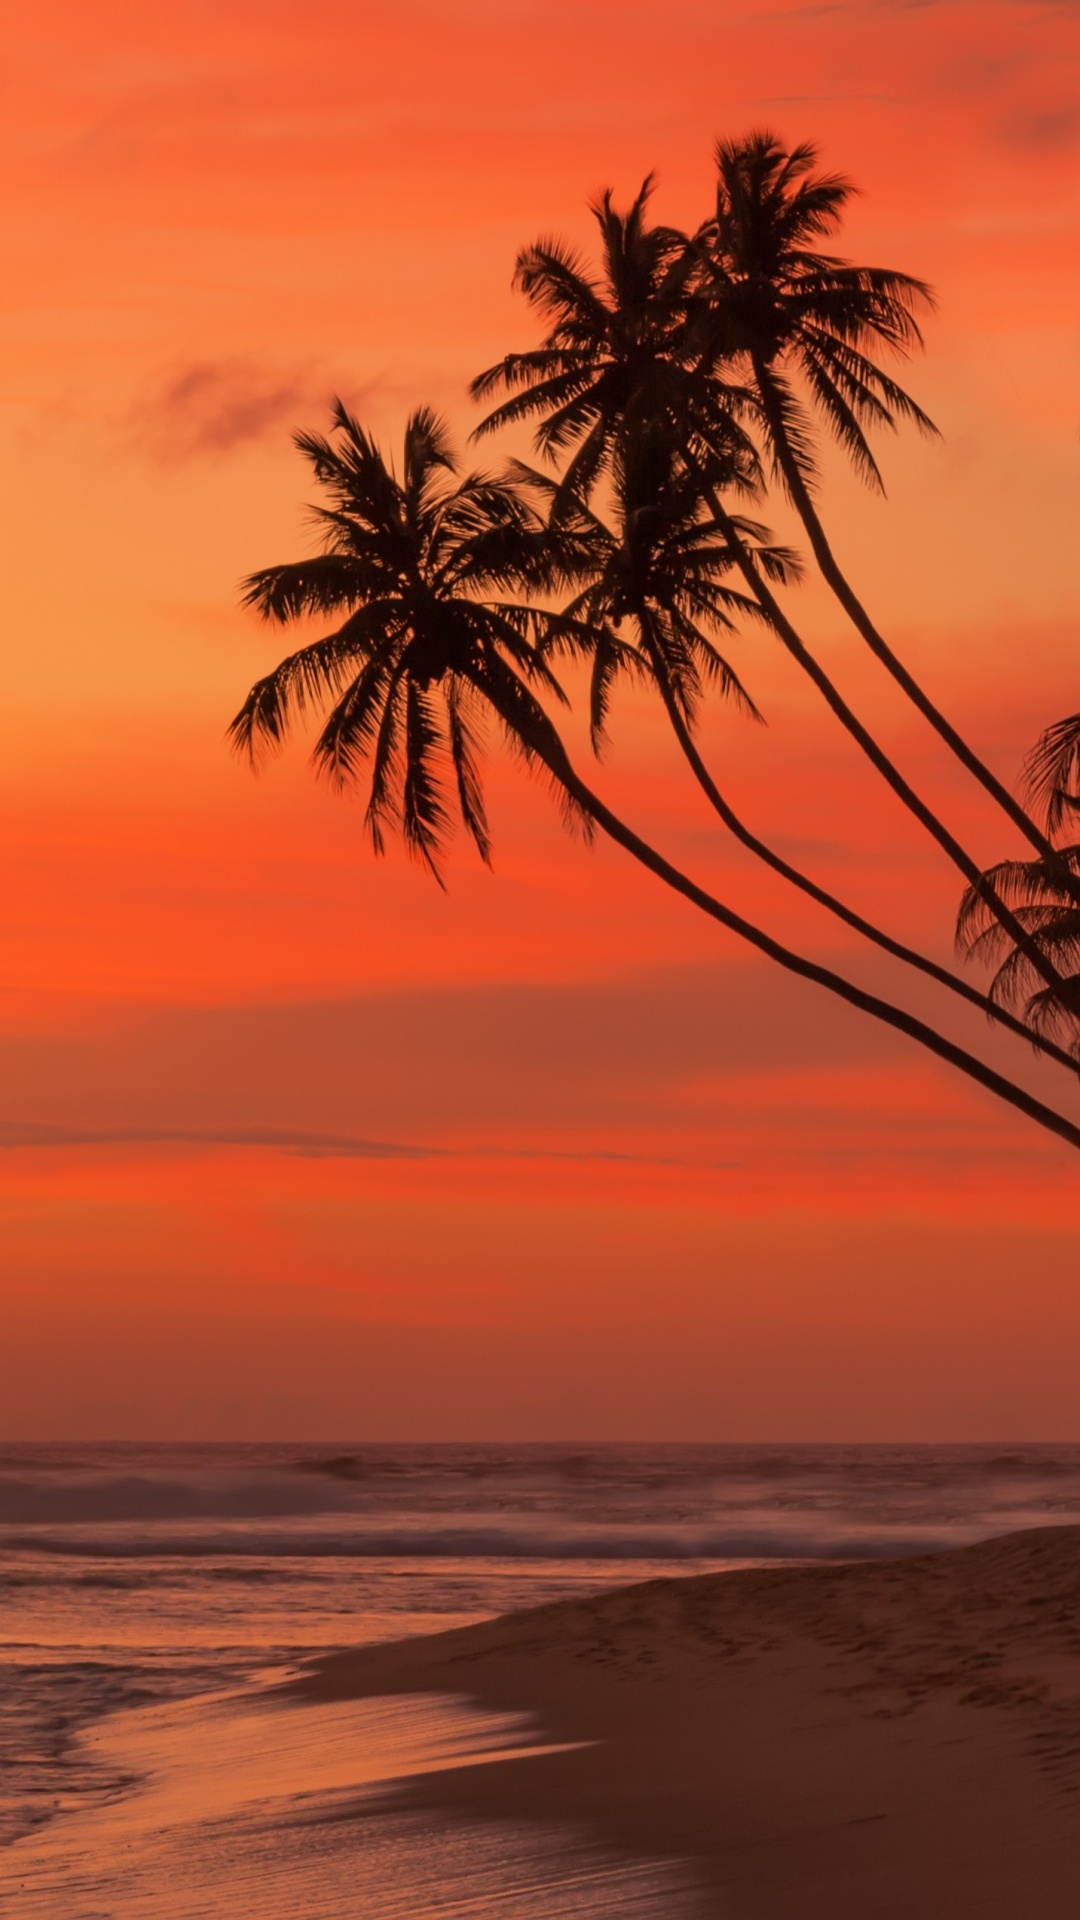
<point x="291" y="1143"/>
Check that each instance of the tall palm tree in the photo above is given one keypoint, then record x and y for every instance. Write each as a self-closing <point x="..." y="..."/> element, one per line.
<point x="430" y="649"/>
<point x="790" y="316"/>
<point x="623" y="357"/>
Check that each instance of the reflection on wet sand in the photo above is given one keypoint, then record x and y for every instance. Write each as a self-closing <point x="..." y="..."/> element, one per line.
<point x="242" y="1807"/>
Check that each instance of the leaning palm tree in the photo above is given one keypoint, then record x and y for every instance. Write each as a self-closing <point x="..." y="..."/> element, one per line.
<point x="623" y="357"/>
<point x="430" y="650"/>
<point x="799" y="322"/>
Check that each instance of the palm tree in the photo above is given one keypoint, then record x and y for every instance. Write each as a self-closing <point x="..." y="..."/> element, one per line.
<point x="1046" y="907"/>
<point x="784" y="311"/>
<point x="429" y="650"/>
<point x="622" y="357"/>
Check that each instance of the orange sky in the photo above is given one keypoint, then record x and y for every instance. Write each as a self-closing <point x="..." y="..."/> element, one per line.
<point x="291" y="1143"/>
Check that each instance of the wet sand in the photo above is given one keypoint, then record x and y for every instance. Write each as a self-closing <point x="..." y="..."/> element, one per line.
<point x="894" y="1740"/>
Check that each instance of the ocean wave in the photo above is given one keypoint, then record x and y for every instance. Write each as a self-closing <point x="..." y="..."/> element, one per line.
<point x="27" y="1501"/>
<point x="655" y="1544"/>
<point x="568" y="1502"/>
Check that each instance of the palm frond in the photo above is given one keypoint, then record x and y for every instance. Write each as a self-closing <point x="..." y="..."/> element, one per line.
<point x="306" y="679"/>
<point x="1039" y="892"/>
<point x="424" y="818"/>
<point x="520" y="370"/>
<point x="529" y="733"/>
<point x="1052" y="771"/>
<point x="553" y="277"/>
<point x="352" y="470"/>
<point x="353" y="726"/>
<point x="843" y="420"/>
<point x="464" y="752"/>
<point x="323" y="584"/>
<point x="384" y="802"/>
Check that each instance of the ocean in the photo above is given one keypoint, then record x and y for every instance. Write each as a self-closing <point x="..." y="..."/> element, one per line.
<point x="152" y="1596"/>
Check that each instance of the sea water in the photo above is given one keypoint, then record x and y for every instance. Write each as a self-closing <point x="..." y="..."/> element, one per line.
<point x="151" y="1596"/>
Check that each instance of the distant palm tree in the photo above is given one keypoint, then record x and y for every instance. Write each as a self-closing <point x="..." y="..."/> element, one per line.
<point x="430" y="649"/>
<point x="623" y="358"/>
<point x="785" y="312"/>
<point x="1048" y="909"/>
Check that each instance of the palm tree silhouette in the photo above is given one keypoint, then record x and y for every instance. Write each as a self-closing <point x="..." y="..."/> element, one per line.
<point x="780" y="308"/>
<point x="430" y="649"/>
<point x="623" y="358"/>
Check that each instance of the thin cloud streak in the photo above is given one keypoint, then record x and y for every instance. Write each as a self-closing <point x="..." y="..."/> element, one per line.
<point x="210" y="408"/>
<point x="15" y="1134"/>
<point x="22" y="1136"/>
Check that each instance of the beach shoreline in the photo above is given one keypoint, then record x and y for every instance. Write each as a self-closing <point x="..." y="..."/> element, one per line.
<point x="895" y="1738"/>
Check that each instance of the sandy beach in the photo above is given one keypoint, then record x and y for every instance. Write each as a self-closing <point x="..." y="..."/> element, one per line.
<point x="896" y="1738"/>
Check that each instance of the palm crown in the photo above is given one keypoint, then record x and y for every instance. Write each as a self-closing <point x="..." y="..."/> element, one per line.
<point x="618" y="358"/>
<point x="429" y="647"/>
<point x="782" y="307"/>
<point x="647" y="579"/>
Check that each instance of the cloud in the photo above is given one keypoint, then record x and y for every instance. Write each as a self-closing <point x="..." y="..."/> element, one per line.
<point x="212" y="407"/>
<point x="420" y="1061"/>
<point x="1049" y="130"/>
<point x="29" y="1134"/>
<point x="688" y="1054"/>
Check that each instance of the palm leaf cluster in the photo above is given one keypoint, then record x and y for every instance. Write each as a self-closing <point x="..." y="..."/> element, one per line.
<point x="796" y="317"/>
<point x="646" y="579"/>
<point x="1043" y="895"/>
<point x="430" y="647"/>
<point x="619" y="359"/>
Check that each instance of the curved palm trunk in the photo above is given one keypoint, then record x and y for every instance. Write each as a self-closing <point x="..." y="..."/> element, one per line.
<point x="832" y="905"/>
<point x="877" y="756"/>
<point x="860" y="619"/>
<point x="551" y="751"/>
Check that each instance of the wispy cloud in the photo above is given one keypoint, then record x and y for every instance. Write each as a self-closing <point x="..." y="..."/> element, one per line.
<point x="1046" y="129"/>
<point x="677" y="1068"/>
<point x="212" y="407"/>
<point x="29" y="1134"/>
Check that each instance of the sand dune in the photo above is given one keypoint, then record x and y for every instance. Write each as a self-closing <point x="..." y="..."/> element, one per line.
<point x="897" y="1738"/>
